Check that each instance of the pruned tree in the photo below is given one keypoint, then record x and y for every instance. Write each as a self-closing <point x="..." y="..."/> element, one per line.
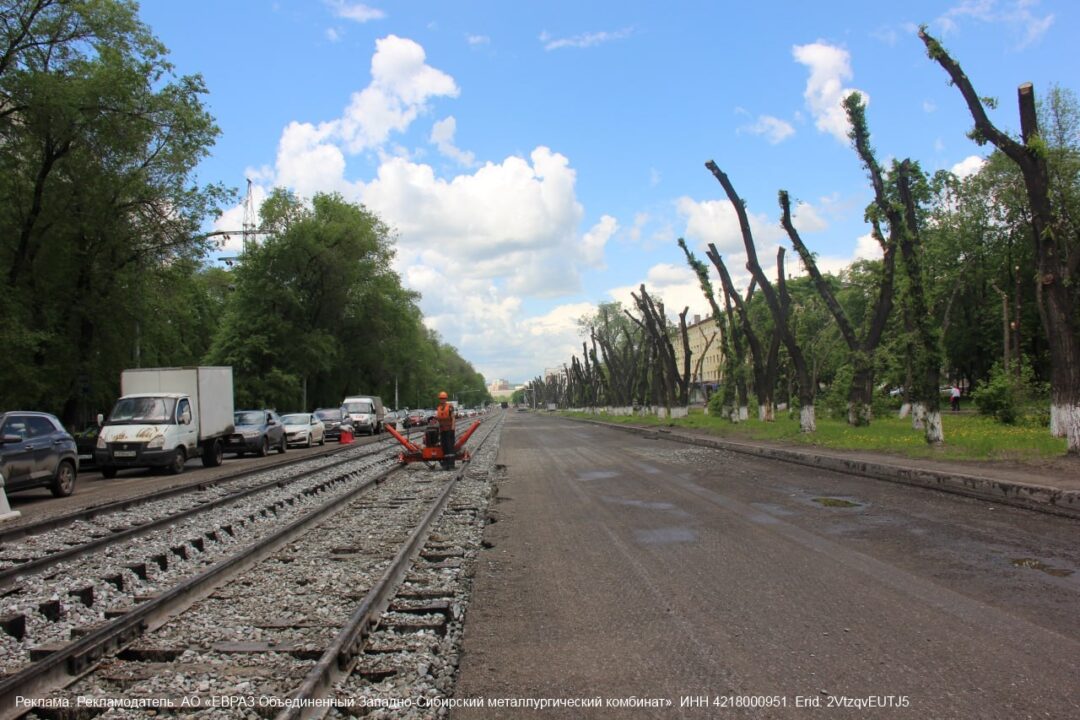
<point x="1056" y="241"/>
<point x="861" y="347"/>
<point x="764" y="362"/>
<point x="903" y="231"/>
<point x="675" y="384"/>
<point x="807" y="421"/>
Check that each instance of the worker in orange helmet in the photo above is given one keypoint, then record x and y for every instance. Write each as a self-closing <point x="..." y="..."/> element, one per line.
<point x="445" y="415"/>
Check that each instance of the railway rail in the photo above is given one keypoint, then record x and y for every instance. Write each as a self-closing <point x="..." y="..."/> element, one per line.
<point x="304" y="584"/>
<point x="89" y="531"/>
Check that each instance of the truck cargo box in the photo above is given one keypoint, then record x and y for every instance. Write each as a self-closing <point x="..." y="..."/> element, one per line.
<point x="210" y="389"/>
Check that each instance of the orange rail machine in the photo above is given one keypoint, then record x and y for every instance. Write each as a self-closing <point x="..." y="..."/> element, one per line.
<point x="432" y="449"/>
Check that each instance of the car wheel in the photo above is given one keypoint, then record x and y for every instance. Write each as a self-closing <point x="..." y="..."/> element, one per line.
<point x="264" y="449"/>
<point x="322" y="440"/>
<point x="284" y="445"/>
<point x="63" y="483"/>
<point x="176" y="465"/>
<point x="308" y="440"/>
<point x="213" y="454"/>
<point x="108" y="472"/>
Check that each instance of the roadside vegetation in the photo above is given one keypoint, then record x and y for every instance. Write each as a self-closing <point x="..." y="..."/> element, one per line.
<point x="977" y="289"/>
<point x="105" y="265"/>
<point x="971" y="436"/>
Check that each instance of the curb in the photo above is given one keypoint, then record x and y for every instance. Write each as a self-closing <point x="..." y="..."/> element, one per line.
<point x="1040" y="498"/>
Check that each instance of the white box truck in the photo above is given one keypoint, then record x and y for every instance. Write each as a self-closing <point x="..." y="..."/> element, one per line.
<point x="165" y="416"/>
<point x="364" y="412"/>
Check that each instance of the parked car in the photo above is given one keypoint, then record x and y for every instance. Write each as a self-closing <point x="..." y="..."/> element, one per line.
<point x="36" y="451"/>
<point x="256" y="431"/>
<point x="304" y="429"/>
<point x="419" y="418"/>
<point x="331" y="418"/>
<point x="396" y="419"/>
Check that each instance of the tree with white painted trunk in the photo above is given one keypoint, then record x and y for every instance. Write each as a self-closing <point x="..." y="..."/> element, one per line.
<point x="1056" y="239"/>
<point x="777" y="306"/>
<point x="904" y="231"/>
<point x="861" y="348"/>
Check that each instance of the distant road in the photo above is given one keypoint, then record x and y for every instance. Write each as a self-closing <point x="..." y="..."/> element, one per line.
<point x="625" y="567"/>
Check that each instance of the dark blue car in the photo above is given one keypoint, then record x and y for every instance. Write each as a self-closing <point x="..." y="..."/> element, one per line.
<point x="256" y="431"/>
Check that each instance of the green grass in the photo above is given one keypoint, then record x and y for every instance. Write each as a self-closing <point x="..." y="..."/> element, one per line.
<point x="967" y="436"/>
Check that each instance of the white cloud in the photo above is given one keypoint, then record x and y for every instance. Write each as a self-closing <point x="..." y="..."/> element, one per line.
<point x="333" y="35"/>
<point x="929" y="106"/>
<point x="676" y="285"/>
<point x="775" y="130"/>
<point x="475" y="40"/>
<point x="442" y="135"/>
<point x="358" y="12"/>
<point x="584" y="40"/>
<point x="867" y="248"/>
<point x="486" y="247"/>
<point x="715" y="221"/>
<point x="807" y="219"/>
<point x="968" y="166"/>
<point x="594" y="241"/>
<point x="830" y="68"/>
<point x="1019" y="15"/>
<point x="401" y="84"/>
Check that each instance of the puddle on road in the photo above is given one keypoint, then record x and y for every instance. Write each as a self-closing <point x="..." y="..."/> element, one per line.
<point x="646" y="505"/>
<point x="665" y="536"/>
<point x="773" y="509"/>
<point x="1041" y="566"/>
<point x="836" y="502"/>
<point x="596" y="475"/>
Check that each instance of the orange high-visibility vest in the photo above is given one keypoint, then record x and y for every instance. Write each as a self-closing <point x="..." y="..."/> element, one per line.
<point x="445" y="415"/>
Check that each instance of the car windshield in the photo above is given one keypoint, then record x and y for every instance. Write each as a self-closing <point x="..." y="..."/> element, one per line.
<point x="249" y="417"/>
<point x="328" y="414"/>
<point x="148" y="410"/>
<point x="358" y="407"/>
<point x="296" y="419"/>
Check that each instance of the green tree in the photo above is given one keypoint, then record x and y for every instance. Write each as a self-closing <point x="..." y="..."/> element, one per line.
<point x="317" y="312"/>
<point x="98" y="141"/>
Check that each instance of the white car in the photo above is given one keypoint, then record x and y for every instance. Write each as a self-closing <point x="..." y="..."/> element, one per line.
<point x="304" y="429"/>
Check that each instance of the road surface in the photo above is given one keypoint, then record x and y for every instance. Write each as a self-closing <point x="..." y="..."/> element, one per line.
<point x="663" y="580"/>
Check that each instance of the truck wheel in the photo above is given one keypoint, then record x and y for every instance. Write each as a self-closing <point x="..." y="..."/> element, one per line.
<point x="108" y="472"/>
<point x="176" y="465"/>
<point x="63" y="483"/>
<point x="213" y="453"/>
<point x="264" y="449"/>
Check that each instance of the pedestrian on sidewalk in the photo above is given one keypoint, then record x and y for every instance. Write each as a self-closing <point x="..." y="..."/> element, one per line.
<point x="954" y="398"/>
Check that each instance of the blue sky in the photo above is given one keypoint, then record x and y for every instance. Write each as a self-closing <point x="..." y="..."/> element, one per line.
<point x="538" y="158"/>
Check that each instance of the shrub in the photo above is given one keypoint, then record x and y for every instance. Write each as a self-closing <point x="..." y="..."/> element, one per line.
<point x="1001" y="396"/>
<point x="716" y="404"/>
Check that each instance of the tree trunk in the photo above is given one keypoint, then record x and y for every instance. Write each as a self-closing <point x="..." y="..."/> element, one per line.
<point x="780" y="320"/>
<point x="1057" y="245"/>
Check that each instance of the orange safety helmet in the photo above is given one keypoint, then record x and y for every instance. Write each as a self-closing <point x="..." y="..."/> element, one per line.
<point x="443" y="396"/>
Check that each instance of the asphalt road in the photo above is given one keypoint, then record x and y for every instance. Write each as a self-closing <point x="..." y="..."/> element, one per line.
<point x="733" y="587"/>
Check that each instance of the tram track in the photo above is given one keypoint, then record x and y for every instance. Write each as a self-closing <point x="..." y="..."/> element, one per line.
<point x="58" y="543"/>
<point x="389" y="501"/>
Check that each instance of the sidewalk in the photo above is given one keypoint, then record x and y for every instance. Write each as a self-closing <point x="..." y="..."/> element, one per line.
<point x="1052" y="487"/>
